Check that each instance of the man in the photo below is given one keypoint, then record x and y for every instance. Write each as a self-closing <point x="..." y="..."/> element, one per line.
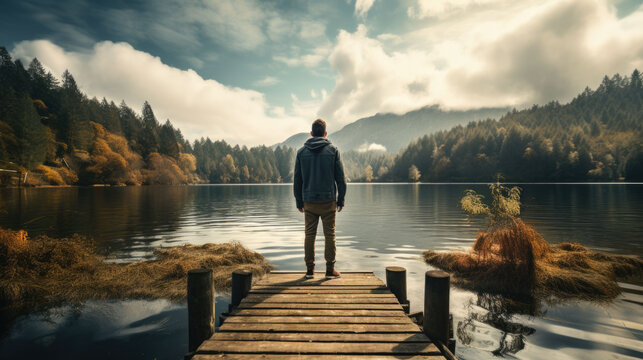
<point x="319" y="187"/>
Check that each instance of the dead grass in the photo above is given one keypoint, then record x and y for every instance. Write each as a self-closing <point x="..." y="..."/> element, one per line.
<point x="43" y="272"/>
<point x="511" y="258"/>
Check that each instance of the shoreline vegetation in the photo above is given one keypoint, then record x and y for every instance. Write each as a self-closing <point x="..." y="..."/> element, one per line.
<point x="45" y="186"/>
<point x="40" y="273"/>
<point x="51" y="133"/>
<point x="512" y="259"/>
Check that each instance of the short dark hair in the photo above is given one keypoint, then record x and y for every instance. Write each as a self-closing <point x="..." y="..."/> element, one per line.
<point x="319" y="127"/>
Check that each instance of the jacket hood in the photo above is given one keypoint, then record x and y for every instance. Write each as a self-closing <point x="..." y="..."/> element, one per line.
<point x="316" y="143"/>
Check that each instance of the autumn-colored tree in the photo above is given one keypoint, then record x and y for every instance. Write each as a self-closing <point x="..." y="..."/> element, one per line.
<point x="414" y="174"/>
<point x="113" y="162"/>
<point x="368" y="173"/>
<point x="162" y="169"/>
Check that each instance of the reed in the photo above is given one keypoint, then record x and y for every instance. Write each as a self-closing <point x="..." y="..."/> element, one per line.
<point x="42" y="272"/>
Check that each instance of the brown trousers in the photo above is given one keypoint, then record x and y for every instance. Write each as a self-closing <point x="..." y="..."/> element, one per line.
<point x="312" y="212"/>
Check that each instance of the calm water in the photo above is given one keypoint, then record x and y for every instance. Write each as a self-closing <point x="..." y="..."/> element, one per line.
<point x="382" y="225"/>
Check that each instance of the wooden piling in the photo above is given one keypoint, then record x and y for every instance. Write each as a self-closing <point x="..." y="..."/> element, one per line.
<point x="241" y="284"/>
<point x="436" y="306"/>
<point x="200" y="307"/>
<point x="396" y="282"/>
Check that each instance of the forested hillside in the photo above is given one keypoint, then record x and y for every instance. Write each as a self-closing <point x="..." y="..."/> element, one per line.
<point x="57" y="134"/>
<point x="597" y="136"/>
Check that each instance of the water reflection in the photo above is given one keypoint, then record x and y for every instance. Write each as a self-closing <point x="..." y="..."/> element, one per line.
<point x="495" y="311"/>
<point x="382" y="225"/>
<point x="104" y="330"/>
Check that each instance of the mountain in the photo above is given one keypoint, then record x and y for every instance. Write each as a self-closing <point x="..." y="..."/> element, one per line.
<point x="393" y="132"/>
<point x="296" y="141"/>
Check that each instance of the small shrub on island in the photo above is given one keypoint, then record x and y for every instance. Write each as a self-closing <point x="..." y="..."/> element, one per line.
<point x="512" y="258"/>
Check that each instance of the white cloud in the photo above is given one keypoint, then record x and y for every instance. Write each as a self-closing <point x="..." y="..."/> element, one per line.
<point x="371" y="147"/>
<point x="310" y="60"/>
<point x="267" y="81"/>
<point x="495" y="55"/>
<point x="313" y="93"/>
<point x="443" y="8"/>
<point x="370" y="80"/>
<point x="199" y="107"/>
<point x="278" y="111"/>
<point x="389" y="37"/>
<point x="362" y="7"/>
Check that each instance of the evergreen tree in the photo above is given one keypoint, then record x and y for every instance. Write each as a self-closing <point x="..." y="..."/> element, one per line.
<point x="73" y="125"/>
<point x="148" y="137"/>
<point x="43" y="85"/>
<point x="110" y="116"/>
<point x="30" y="133"/>
<point x="168" y="142"/>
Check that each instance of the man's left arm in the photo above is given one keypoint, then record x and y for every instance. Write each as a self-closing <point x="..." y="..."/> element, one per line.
<point x="340" y="180"/>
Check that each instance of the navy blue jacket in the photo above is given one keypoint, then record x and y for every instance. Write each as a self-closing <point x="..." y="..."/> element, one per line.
<point x="319" y="173"/>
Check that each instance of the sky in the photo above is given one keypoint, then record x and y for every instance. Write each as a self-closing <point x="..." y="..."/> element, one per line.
<point x="255" y="72"/>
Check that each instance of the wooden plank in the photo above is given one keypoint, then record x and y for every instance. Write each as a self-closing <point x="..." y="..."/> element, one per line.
<point x="319" y="290"/>
<point x="333" y="282"/>
<point x="313" y="357"/>
<point x="320" y="300"/>
<point x="335" y="328"/>
<point x="320" y="337"/>
<point x="319" y="274"/>
<point x="319" y="319"/>
<point x="318" y="278"/>
<point x="308" y="312"/>
<point x="320" y="296"/>
<point x="356" y="306"/>
<point x="325" y="287"/>
<point x="305" y="347"/>
<point x="302" y="273"/>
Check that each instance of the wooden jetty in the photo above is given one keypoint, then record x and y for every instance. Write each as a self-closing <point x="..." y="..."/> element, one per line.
<point x="285" y="316"/>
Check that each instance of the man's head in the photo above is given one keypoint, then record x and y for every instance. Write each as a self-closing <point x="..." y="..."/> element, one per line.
<point x="319" y="128"/>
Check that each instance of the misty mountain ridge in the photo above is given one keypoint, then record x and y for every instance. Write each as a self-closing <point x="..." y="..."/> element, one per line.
<point x="392" y="133"/>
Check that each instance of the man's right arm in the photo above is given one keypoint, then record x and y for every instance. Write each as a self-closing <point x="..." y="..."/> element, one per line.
<point x="298" y="185"/>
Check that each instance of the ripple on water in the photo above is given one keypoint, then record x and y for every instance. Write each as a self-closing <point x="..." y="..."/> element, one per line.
<point x="382" y="225"/>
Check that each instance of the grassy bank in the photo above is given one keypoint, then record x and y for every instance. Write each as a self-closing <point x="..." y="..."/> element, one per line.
<point x="511" y="258"/>
<point x="37" y="273"/>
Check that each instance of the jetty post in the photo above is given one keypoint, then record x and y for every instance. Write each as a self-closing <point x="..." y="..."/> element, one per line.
<point x="241" y="284"/>
<point x="436" y="306"/>
<point x="201" y="319"/>
<point x="396" y="282"/>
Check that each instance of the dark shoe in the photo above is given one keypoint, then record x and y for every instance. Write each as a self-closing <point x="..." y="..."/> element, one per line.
<point x="310" y="273"/>
<point x="332" y="274"/>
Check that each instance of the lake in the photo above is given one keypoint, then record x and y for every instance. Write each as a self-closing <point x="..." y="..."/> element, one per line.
<point x="382" y="225"/>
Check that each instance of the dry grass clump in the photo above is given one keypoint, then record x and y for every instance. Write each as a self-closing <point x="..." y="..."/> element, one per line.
<point x="573" y="270"/>
<point x="12" y="243"/>
<point x="43" y="272"/>
<point x="513" y="259"/>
